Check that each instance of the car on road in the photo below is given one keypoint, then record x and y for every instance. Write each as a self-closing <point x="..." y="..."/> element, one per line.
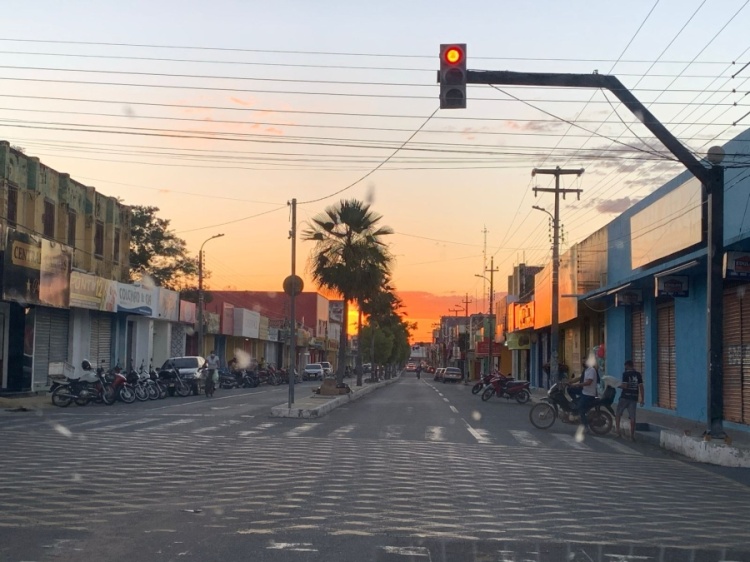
<point x="313" y="372"/>
<point x="452" y="374"/>
<point x="327" y="368"/>
<point x="411" y="367"/>
<point x="438" y="374"/>
<point x="192" y="370"/>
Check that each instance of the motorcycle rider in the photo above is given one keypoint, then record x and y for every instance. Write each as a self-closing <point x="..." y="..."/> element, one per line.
<point x="419" y="371"/>
<point x="588" y="392"/>
<point x="213" y="363"/>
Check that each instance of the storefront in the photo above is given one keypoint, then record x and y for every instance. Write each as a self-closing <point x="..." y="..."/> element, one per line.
<point x="737" y="338"/>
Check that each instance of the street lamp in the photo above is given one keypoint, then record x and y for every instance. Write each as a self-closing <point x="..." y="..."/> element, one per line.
<point x="491" y="271"/>
<point x="200" y="293"/>
<point x="542" y="209"/>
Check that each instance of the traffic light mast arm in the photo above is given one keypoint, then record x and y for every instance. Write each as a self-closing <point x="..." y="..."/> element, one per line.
<point x="601" y="81"/>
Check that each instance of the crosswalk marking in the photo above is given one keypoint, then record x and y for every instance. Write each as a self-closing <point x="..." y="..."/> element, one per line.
<point x="454" y="409"/>
<point x="124" y="424"/>
<point x="622" y="448"/>
<point x="206" y="429"/>
<point x="342" y="431"/>
<point x="434" y="433"/>
<point x="392" y="432"/>
<point x="570" y="441"/>
<point x="481" y="435"/>
<point x="524" y="438"/>
<point x="181" y="421"/>
<point x="299" y="430"/>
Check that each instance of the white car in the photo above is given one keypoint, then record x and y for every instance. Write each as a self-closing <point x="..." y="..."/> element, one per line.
<point x="313" y="372"/>
<point x="327" y="368"/>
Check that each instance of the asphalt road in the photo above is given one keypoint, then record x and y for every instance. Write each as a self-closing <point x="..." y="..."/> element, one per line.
<point x="417" y="471"/>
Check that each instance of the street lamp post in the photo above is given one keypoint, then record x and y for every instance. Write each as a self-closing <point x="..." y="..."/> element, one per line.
<point x="200" y="294"/>
<point x="491" y="330"/>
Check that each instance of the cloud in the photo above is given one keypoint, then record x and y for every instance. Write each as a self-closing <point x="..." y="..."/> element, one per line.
<point x="615" y="206"/>
<point x="239" y="101"/>
<point x="536" y="126"/>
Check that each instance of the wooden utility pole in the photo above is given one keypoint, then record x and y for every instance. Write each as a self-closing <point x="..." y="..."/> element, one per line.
<point x="466" y="302"/>
<point x="491" y="271"/>
<point x="557" y="190"/>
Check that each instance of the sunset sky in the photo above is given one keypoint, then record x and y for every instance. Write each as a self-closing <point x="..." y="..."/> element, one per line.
<point x="220" y="112"/>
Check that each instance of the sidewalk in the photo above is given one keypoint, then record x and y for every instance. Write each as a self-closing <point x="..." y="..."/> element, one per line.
<point x="25" y="401"/>
<point x="315" y="406"/>
<point x="685" y="437"/>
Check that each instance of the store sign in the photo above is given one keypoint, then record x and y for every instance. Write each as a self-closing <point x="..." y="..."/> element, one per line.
<point x="629" y="297"/>
<point x="169" y="305"/>
<point x="246" y="323"/>
<point x="132" y="299"/>
<point x="336" y="311"/>
<point x="737" y="265"/>
<point x="523" y="315"/>
<point x="516" y="340"/>
<point x="274" y="334"/>
<point x="483" y="348"/>
<point x="212" y="322"/>
<point x="36" y="270"/>
<point x="92" y="292"/>
<point x="263" y="329"/>
<point x="227" y="319"/>
<point x="188" y="312"/>
<point x="673" y="286"/>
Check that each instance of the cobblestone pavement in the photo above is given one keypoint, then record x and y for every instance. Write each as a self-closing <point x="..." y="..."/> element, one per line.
<point x="376" y="481"/>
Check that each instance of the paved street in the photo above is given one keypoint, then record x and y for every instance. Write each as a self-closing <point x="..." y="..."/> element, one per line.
<point x="417" y="471"/>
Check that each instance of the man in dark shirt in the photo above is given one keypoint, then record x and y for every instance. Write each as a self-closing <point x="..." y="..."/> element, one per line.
<point x="632" y="393"/>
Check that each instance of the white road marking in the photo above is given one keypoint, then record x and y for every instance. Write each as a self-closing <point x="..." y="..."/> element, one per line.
<point x="181" y="421"/>
<point x="446" y="400"/>
<point x="408" y="550"/>
<point x="393" y="431"/>
<point x="206" y="429"/>
<point x="299" y="430"/>
<point x="260" y="428"/>
<point x="293" y="546"/>
<point x="342" y="431"/>
<point x="124" y="424"/>
<point x="622" y="448"/>
<point x="524" y="438"/>
<point x="481" y="435"/>
<point x="434" y="433"/>
<point x="570" y="441"/>
<point x="454" y="409"/>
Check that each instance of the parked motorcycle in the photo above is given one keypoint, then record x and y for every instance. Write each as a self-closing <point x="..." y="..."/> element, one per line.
<point x="119" y="382"/>
<point x="483" y="383"/>
<point x="82" y="388"/>
<point x="506" y="387"/>
<point x="250" y="379"/>
<point x="557" y="404"/>
<point x="174" y="382"/>
<point x="228" y="379"/>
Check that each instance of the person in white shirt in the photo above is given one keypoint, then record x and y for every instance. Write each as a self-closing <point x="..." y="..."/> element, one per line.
<point x="588" y="391"/>
<point x="213" y="363"/>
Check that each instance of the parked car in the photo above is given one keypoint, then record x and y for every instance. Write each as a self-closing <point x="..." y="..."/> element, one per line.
<point x="192" y="370"/>
<point x="327" y="368"/>
<point x="452" y="374"/>
<point x="313" y="372"/>
<point x="438" y="374"/>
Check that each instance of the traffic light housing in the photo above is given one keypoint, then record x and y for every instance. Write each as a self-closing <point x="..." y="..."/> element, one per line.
<point x="452" y="76"/>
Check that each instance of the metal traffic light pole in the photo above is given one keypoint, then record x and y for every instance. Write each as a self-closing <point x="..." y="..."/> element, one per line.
<point x="711" y="177"/>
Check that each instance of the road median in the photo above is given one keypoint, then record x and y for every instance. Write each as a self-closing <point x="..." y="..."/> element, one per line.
<point x="315" y="406"/>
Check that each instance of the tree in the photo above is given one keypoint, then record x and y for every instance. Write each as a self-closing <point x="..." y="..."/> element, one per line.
<point x="157" y="252"/>
<point x="349" y="257"/>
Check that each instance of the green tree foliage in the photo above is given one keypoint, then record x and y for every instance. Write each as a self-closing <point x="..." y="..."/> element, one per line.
<point x="349" y="257"/>
<point x="157" y="252"/>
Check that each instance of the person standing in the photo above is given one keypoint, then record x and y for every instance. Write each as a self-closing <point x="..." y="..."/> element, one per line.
<point x="632" y="393"/>
<point x="212" y="377"/>
<point x="588" y="391"/>
<point x="419" y="370"/>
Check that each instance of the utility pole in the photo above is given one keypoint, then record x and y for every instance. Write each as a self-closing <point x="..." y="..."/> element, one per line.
<point x="466" y="302"/>
<point x="492" y="271"/>
<point x="200" y="294"/>
<point x="292" y="311"/>
<point x="554" y="374"/>
<point x="484" y="267"/>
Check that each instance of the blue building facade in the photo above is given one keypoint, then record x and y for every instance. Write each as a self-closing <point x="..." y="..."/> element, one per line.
<point x="654" y="298"/>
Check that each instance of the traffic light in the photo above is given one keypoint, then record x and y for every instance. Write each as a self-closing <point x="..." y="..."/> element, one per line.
<point x="452" y="76"/>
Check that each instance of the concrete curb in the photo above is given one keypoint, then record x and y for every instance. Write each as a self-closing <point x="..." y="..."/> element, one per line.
<point x="283" y="411"/>
<point x="709" y="452"/>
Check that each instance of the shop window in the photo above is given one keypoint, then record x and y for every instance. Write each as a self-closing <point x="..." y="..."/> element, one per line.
<point x="116" y="257"/>
<point x="72" y="219"/>
<point x="99" y="239"/>
<point x="48" y="219"/>
<point x="12" y="205"/>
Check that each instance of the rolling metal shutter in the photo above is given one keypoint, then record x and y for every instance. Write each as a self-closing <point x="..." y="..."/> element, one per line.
<point x="666" y="369"/>
<point x="736" y="360"/>
<point x="51" y="327"/>
<point x="100" y="346"/>
<point x="638" y="338"/>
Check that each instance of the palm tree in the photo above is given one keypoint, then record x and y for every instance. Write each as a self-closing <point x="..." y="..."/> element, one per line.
<point x="349" y="257"/>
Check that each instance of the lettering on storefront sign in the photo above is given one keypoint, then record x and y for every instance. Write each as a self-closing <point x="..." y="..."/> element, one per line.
<point x="134" y="300"/>
<point x="523" y="316"/>
<point x="673" y="286"/>
<point x="629" y="297"/>
<point x="737" y="265"/>
<point x="26" y="255"/>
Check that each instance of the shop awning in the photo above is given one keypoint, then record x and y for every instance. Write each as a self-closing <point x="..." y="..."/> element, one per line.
<point x="673" y="270"/>
<point x="607" y="292"/>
